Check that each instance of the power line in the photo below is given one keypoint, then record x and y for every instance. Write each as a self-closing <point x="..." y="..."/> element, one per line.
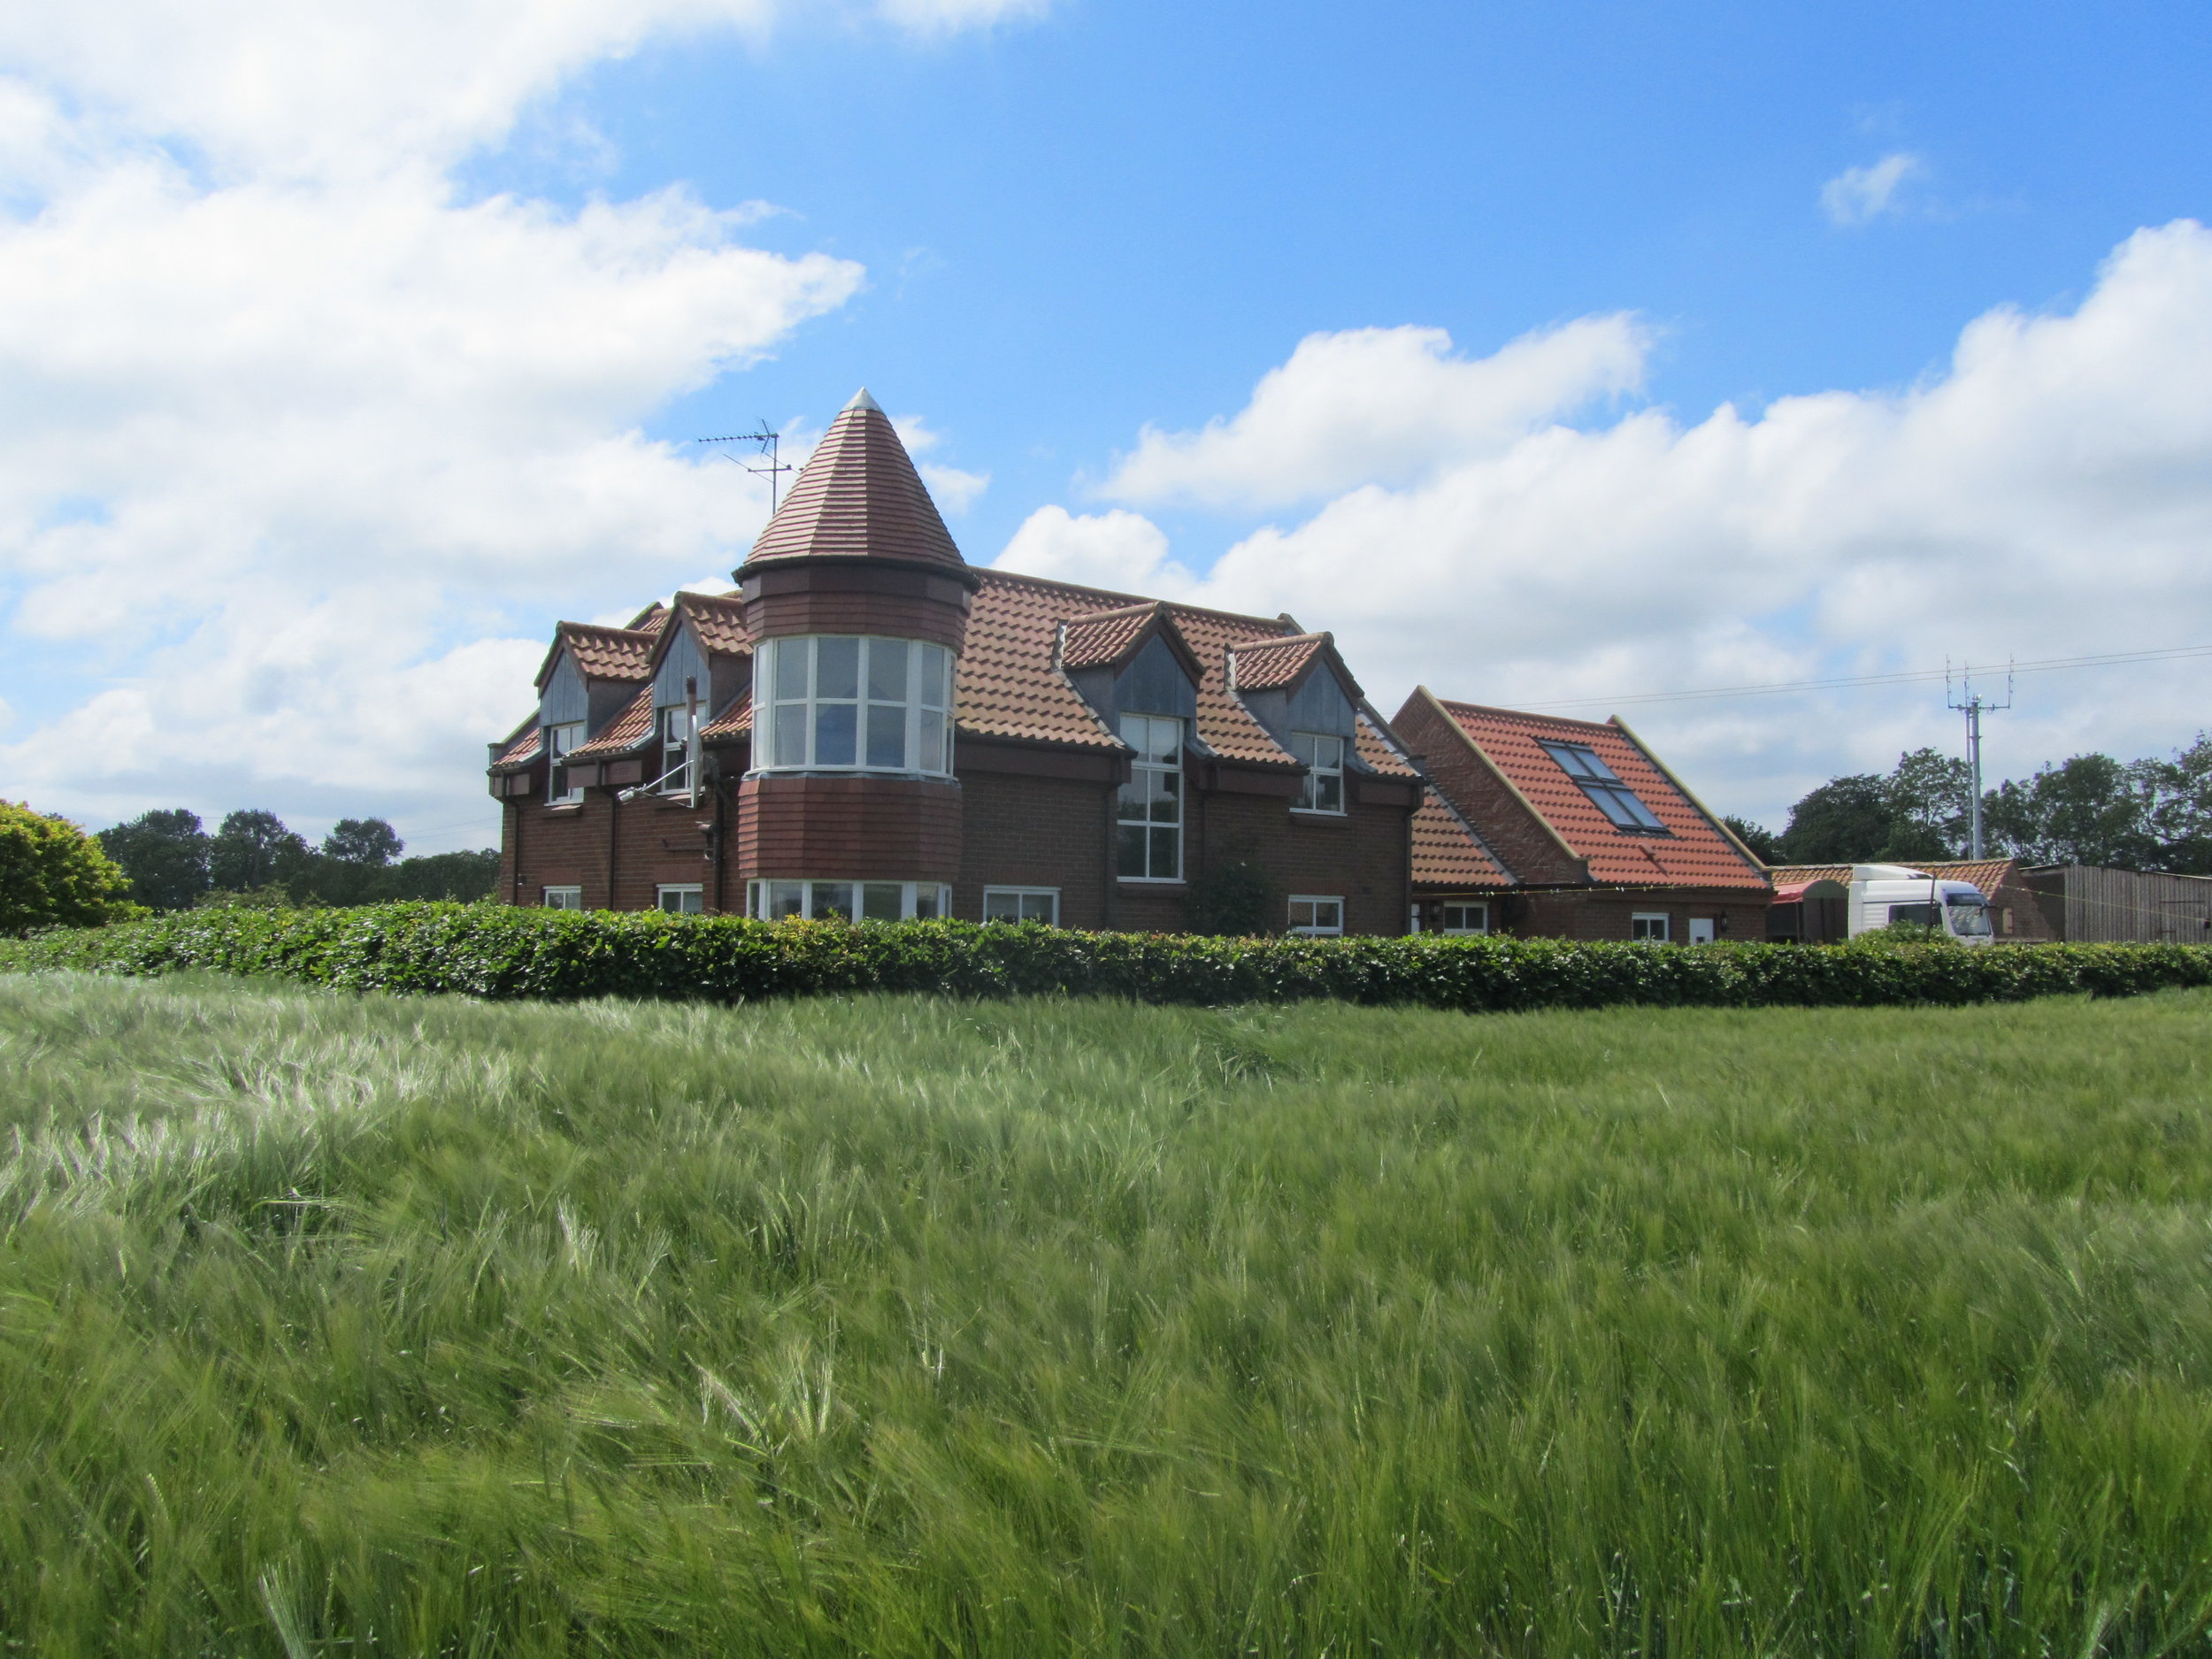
<point x="1904" y="677"/>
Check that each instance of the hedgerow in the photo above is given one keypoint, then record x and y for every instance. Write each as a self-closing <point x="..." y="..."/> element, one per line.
<point x="501" y="952"/>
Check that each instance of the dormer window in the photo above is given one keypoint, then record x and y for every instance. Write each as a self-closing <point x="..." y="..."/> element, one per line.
<point x="676" y="749"/>
<point x="1322" y="788"/>
<point x="1607" y="792"/>
<point x="559" y="740"/>
<point x="841" y="703"/>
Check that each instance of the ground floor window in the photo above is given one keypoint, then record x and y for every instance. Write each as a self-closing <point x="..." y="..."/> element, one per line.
<point x="680" y="900"/>
<point x="1316" y="918"/>
<point x="1022" y="904"/>
<point x="563" y="898"/>
<point x="1466" y="918"/>
<point x="848" y="901"/>
<point x="1650" y="924"/>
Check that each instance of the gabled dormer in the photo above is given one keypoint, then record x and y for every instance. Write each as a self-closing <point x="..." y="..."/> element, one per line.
<point x="1132" y="661"/>
<point x="1298" y="688"/>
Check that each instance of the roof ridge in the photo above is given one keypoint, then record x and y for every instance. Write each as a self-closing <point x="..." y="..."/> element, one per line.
<point x="1526" y="714"/>
<point x="992" y="572"/>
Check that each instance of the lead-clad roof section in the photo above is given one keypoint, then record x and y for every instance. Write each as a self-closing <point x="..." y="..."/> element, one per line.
<point x="858" y="496"/>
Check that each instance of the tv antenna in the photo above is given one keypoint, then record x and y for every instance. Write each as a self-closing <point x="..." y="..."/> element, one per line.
<point x="773" y="462"/>
<point x="1973" y="705"/>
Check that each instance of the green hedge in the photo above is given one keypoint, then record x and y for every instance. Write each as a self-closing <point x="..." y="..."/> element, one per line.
<point x="494" y="951"/>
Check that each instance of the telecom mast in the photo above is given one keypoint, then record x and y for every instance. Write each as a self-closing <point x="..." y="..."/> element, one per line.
<point x="1973" y="705"/>
<point x="771" y="460"/>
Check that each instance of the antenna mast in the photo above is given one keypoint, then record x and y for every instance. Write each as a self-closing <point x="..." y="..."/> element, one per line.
<point x="1973" y="705"/>
<point x="769" y="443"/>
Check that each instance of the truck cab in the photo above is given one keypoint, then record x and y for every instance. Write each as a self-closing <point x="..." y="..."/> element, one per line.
<point x="1883" y="894"/>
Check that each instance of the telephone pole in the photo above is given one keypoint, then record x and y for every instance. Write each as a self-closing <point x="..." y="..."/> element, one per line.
<point x="1973" y="705"/>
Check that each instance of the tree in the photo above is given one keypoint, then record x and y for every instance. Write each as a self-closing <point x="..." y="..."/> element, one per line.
<point x="254" y="850"/>
<point x="2178" y="813"/>
<point x="53" y="874"/>
<point x="1840" y="822"/>
<point x="1765" y="845"/>
<point x="165" y="856"/>
<point x="2091" y="809"/>
<point x="1931" y="796"/>
<point x="462" y="875"/>
<point x="368" y="842"/>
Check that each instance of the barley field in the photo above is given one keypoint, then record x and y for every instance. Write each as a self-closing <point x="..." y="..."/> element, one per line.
<point x="335" y="1325"/>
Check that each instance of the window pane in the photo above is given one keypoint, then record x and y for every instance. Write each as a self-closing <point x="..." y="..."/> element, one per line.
<point x="790" y="658"/>
<point x="837" y="668"/>
<point x="785" y="899"/>
<point x="1001" y="907"/>
<point x="1301" y="913"/>
<point x="1301" y="746"/>
<point x="1167" y="861"/>
<point x="1131" y="859"/>
<point x="1167" y="802"/>
<point x="935" y="688"/>
<point x="1167" y="741"/>
<point x="882" y="901"/>
<point x="1136" y="790"/>
<point x="832" y="899"/>
<point x="887" y="735"/>
<point x="790" y="735"/>
<point x="932" y="756"/>
<point x="1037" y="907"/>
<point x="929" y="903"/>
<point x="833" y="724"/>
<point x="886" y="670"/>
<point x="1330" y="752"/>
<point x="1328" y="792"/>
<point x="1329" y="914"/>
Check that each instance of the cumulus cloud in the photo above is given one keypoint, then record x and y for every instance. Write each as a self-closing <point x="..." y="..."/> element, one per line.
<point x="1118" y="550"/>
<point x="289" y="429"/>
<point x="953" y="490"/>
<point x="1380" y="405"/>
<point x="2050" y="492"/>
<point x="1858" y="195"/>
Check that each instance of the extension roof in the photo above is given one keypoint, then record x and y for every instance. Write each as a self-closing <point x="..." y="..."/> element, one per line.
<point x="621" y="734"/>
<point x="858" y="496"/>
<point x="1695" y="852"/>
<point x="521" y="747"/>
<point x="1447" y="853"/>
<point x="1986" y="874"/>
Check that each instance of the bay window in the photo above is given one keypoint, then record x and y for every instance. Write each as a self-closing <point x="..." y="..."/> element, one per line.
<point x="1149" y="814"/>
<point x="848" y="702"/>
<point x="774" y="900"/>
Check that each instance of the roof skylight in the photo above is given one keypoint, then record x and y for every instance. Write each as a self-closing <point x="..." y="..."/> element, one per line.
<point x="1607" y="792"/>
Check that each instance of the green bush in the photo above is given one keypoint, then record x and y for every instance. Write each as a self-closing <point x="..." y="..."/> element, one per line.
<point x="53" y="874"/>
<point x="498" y="952"/>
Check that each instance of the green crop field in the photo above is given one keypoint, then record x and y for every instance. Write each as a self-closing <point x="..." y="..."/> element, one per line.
<point x="336" y="1326"/>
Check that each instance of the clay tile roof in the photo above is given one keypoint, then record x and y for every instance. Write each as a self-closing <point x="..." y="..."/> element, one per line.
<point x="1447" y="853"/>
<point x="733" y="721"/>
<point x="859" y="495"/>
<point x="1370" y="744"/>
<point x="522" y="747"/>
<point x="608" y="653"/>
<point x="1695" y="853"/>
<point x="1986" y="874"/>
<point x="719" y="621"/>
<point x="622" y="733"/>
<point x="1272" y="664"/>
<point x="1103" y="638"/>
<point x="1009" y="685"/>
<point x="652" y="619"/>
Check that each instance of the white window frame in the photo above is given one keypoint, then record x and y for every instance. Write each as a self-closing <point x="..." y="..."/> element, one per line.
<point x="678" y="747"/>
<point x="679" y="891"/>
<point x="561" y="738"/>
<point x="924" y="717"/>
<point x="1025" y="899"/>
<point x="1152" y="736"/>
<point x="1710" y="924"/>
<point x="1313" y="926"/>
<point x="1322" y="753"/>
<point x="918" y="900"/>
<point x="570" y="898"/>
<point x="1657" y="927"/>
<point x="1480" y="925"/>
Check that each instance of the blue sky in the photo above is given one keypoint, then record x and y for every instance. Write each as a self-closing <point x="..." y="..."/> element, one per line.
<point x="305" y="559"/>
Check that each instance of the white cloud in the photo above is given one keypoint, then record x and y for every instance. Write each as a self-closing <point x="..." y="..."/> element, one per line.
<point x="1380" y="405"/>
<point x="1122" y="550"/>
<point x="953" y="490"/>
<point x="1858" y="195"/>
<point x="288" y="430"/>
<point x="946" y="17"/>
<point x="2049" y="494"/>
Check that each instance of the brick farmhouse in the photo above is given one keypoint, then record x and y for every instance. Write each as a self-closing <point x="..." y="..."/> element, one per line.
<point x="871" y="729"/>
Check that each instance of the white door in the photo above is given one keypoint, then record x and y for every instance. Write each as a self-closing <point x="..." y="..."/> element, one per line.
<point x="1700" y="930"/>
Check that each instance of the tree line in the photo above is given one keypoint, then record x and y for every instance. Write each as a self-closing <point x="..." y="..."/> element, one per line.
<point x="173" y="864"/>
<point x="2148" y="814"/>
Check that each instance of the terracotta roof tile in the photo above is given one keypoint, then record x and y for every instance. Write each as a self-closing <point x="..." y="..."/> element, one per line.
<point x="609" y="653"/>
<point x="1272" y="664"/>
<point x="858" y="495"/>
<point x="1104" y="639"/>
<point x="733" y="721"/>
<point x="1987" y="874"/>
<point x="1694" y="854"/>
<point x="623" y="733"/>
<point x="1370" y="744"/>
<point x="522" y="747"/>
<point x="1447" y="853"/>
<point x="1225" y="725"/>
<point x="719" y="621"/>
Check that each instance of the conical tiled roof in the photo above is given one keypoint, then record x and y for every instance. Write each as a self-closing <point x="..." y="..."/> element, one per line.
<point x="858" y="496"/>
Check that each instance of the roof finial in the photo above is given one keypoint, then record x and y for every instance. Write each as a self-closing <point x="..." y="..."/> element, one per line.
<point x="861" y="400"/>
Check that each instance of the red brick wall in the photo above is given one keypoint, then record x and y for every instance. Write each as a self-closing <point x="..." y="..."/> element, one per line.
<point x="882" y="829"/>
<point x="1359" y="857"/>
<point x="1032" y="832"/>
<point x="1514" y="832"/>
<point x="1604" y="915"/>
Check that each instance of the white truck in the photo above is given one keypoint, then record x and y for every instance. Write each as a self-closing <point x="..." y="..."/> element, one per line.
<point x="1883" y="894"/>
